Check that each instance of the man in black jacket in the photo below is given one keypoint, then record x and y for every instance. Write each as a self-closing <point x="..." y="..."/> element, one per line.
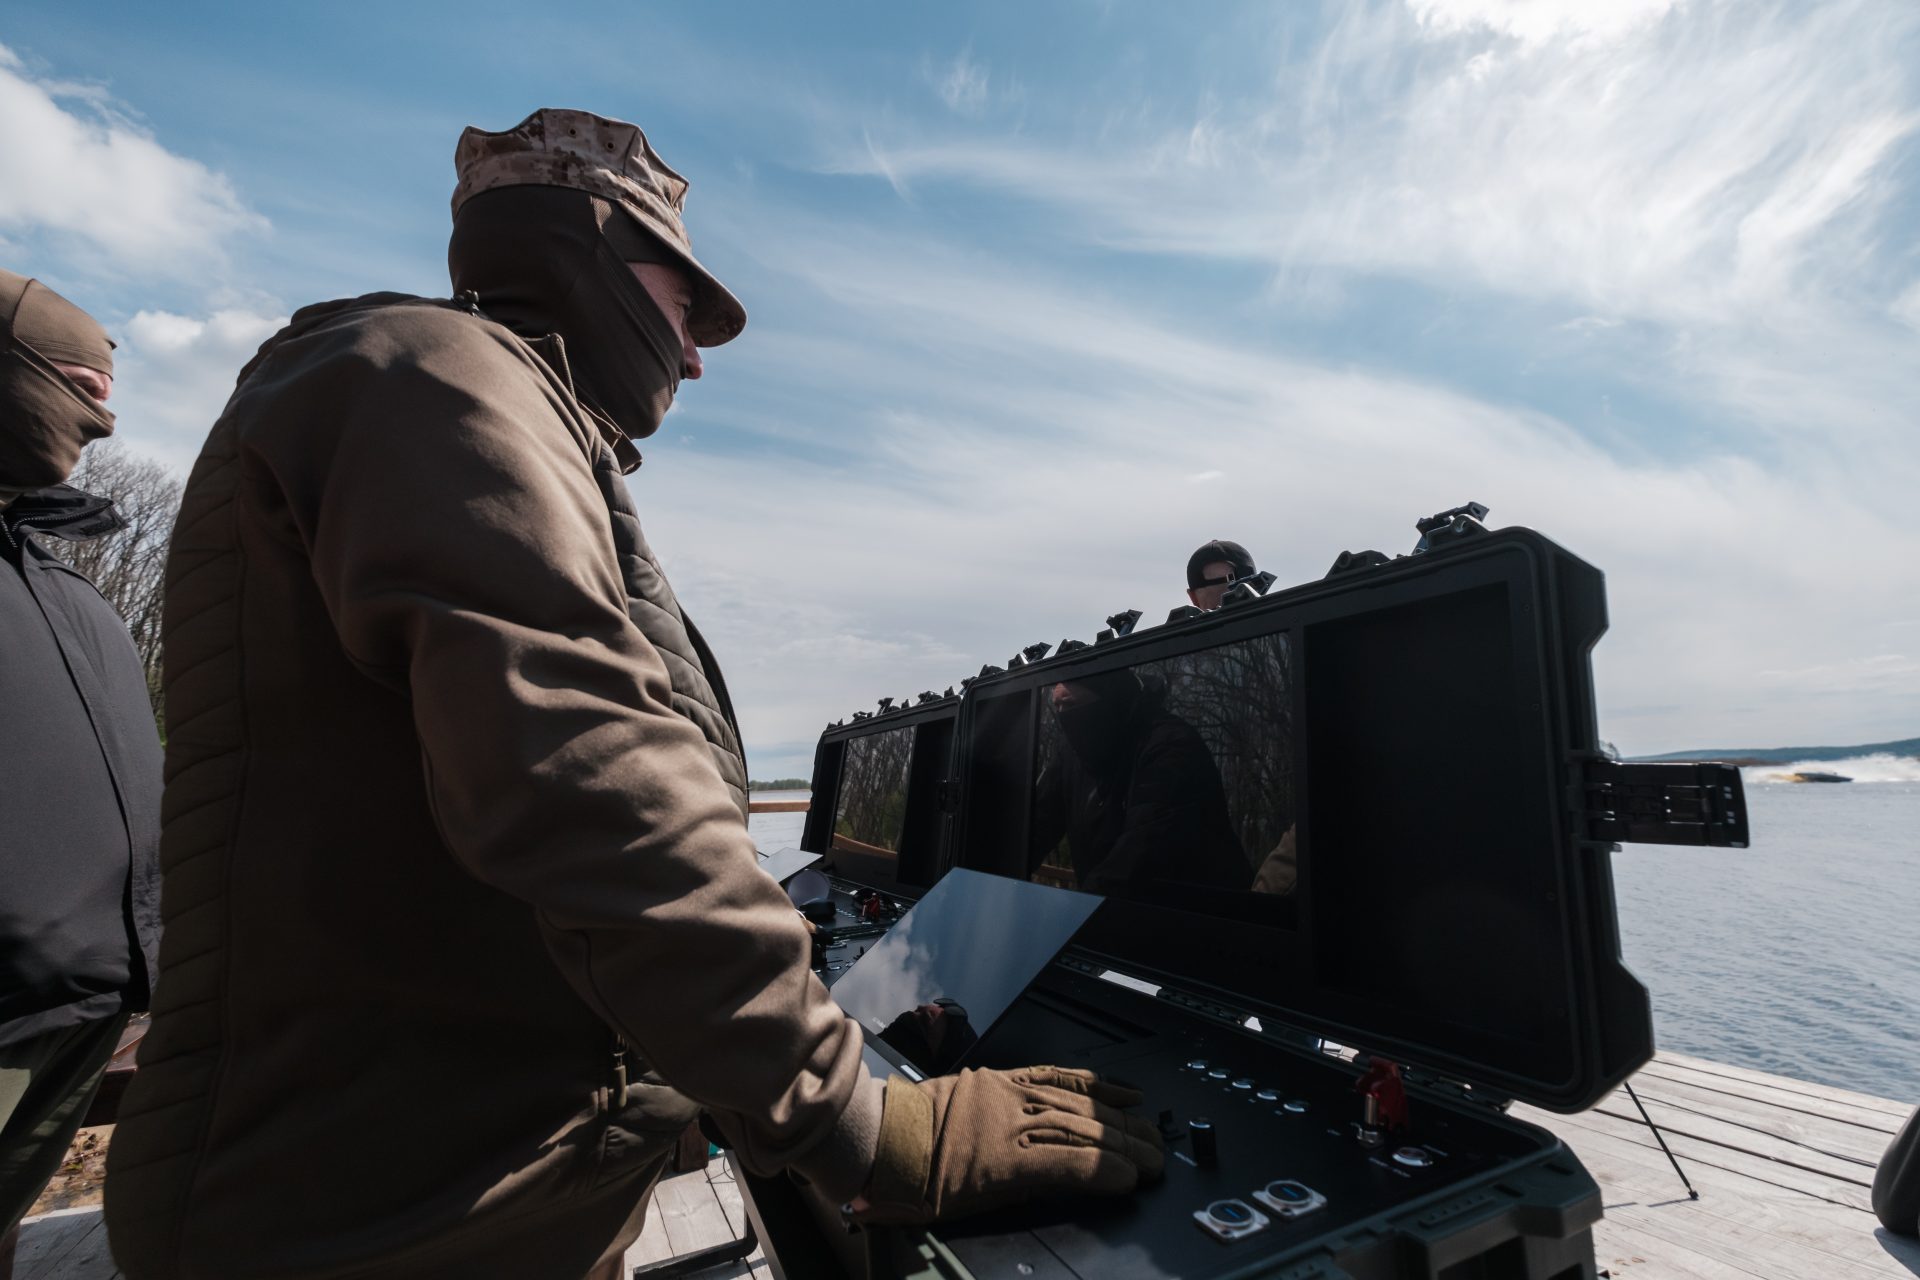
<point x="79" y="755"/>
<point x="1135" y="793"/>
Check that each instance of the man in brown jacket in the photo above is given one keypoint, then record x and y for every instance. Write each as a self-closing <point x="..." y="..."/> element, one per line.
<point x="463" y="921"/>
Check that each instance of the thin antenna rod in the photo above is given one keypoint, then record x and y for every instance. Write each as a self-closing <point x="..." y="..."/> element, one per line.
<point x="1657" y="1137"/>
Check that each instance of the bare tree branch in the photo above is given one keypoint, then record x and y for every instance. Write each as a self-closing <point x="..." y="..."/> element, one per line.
<point x="129" y="564"/>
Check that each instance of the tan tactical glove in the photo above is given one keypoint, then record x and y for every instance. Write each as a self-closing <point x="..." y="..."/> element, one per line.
<point x="963" y="1144"/>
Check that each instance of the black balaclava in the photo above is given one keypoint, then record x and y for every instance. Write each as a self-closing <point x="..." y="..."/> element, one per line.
<point x="1097" y="728"/>
<point x="552" y="260"/>
<point x="45" y="418"/>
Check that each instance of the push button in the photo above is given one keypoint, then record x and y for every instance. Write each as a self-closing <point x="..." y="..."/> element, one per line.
<point x="1413" y="1157"/>
<point x="1230" y="1219"/>
<point x="1289" y="1199"/>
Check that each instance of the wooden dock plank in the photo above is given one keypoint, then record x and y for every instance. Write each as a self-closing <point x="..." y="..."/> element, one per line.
<point x="1782" y="1166"/>
<point x="728" y="1192"/>
<point x="692" y="1213"/>
<point x="67" y="1244"/>
<point x="1871" y="1130"/>
<point x="653" y="1245"/>
<point x="1745" y="1138"/>
<point x="1692" y="1152"/>
<point x="1736" y="1220"/>
<point x="1768" y="1085"/>
<point x="1837" y="1138"/>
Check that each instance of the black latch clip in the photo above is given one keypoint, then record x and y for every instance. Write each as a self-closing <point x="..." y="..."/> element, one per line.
<point x="1677" y="803"/>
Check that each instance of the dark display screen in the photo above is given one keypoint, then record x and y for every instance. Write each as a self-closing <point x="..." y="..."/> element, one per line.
<point x="1172" y="781"/>
<point x="943" y="975"/>
<point x="1433" y="825"/>
<point x="870" y="811"/>
<point x="1343" y="804"/>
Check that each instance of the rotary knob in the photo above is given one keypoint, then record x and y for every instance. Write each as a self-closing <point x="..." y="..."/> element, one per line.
<point x="1206" y="1144"/>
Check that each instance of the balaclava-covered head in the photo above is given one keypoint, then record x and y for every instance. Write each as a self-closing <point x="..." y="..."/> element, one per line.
<point x="1096" y="719"/>
<point x="45" y="417"/>
<point x="551" y="260"/>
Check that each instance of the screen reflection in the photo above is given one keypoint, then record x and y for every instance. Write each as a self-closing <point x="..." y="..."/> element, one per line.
<point x="870" y="812"/>
<point x="944" y="974"/>
<point x="1171" y="777"/>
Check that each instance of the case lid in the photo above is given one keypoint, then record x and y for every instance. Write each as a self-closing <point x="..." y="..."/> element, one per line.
<point x="880" y="792"/>
<point x="1351" y="806"/>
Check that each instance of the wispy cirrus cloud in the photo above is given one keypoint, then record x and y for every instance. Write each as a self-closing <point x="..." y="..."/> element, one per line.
<point x="962" y="84"/>
<point x="1028" y="504"/>
<point x="1679" y="163"/>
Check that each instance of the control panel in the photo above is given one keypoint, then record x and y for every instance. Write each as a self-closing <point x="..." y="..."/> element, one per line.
<point x="1270" y="1148"/>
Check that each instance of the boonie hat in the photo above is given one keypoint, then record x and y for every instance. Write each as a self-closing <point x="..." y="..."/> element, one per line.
<point x="612" y="159"/>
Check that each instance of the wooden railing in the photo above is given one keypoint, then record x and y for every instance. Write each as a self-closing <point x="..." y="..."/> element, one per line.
<point x="778" y="806"/>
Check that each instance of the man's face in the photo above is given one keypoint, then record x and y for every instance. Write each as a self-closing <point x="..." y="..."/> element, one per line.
<point x="1066" y="697"/>
<point x="95" y="383"/>
<point x="1218" y="576"/>
<point x="671" y="291"/>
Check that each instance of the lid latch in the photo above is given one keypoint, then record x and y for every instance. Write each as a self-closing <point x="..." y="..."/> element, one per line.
<point x="1667" y="803"/>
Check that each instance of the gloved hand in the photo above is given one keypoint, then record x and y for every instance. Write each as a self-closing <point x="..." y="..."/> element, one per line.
<point x="963" y="1144"/>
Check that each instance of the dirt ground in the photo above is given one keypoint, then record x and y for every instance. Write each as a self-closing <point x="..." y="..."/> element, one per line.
<point x="78" y="1181"/>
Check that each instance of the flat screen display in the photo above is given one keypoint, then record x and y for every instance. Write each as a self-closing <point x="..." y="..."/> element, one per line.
<point x="1348" y="806"/>
<point x="1172" y="781"/>
<point x="870" y="811"/>
<point x="942" y="976"/>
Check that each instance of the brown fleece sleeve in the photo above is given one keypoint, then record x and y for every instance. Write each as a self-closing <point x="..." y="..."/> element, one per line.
<point x="466" y="557"/>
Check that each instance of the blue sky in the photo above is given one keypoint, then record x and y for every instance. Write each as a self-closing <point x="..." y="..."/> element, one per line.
<point x="1042" y="296"/>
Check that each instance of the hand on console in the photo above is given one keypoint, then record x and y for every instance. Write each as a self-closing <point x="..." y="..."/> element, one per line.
<point x="967" y="1143"/>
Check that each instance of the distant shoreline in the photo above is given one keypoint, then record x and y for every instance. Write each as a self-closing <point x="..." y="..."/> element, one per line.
<point x="1749" y="756"/>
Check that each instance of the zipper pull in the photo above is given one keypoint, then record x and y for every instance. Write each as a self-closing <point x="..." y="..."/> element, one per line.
<point x="619" y="1073"/>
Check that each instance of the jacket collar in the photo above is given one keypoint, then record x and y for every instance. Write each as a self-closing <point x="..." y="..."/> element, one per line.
<point x="64" y="512"/>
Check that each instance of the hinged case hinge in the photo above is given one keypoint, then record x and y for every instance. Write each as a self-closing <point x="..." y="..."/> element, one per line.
<point x="1669" y="803"/>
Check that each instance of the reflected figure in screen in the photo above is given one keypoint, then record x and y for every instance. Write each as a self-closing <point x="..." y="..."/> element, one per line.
<point x="1280" y="870"/>
<point x="935" y="1036"/>
<point x="1135" y="793"/>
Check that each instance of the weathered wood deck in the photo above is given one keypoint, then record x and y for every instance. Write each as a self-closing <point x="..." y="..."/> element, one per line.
<point x="1782" y="1168"/>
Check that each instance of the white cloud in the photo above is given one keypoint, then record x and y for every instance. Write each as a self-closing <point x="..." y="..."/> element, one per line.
<point x="1536" y="21"/>
<point x="174" y="374"/>
<point x="1906" y="307"/>
<point x="1026" y="463"/>
<point x="962" y="84"/>
<point x="74" y="166"/>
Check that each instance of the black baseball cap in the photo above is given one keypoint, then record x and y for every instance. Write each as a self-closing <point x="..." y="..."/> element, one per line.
<point x="1213" y="553"/>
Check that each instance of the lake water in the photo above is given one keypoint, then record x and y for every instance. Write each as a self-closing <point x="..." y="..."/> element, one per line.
<point x="1800" y="955"/>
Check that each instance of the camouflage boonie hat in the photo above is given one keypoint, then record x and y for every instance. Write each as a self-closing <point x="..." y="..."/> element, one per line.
<point x="611" y="159"/>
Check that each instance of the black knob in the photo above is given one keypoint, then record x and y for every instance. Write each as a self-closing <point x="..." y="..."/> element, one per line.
<point x="1206" y="1147"/>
